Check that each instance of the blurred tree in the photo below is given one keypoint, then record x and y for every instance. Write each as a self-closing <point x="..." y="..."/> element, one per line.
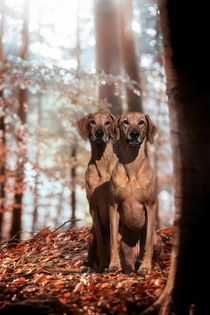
<point x="187" y="66"/>
<point x="37" y="157"/>
<point x="73" y="186"/>
<point x="2" y="128"/>
<point x="74" y="146"/>
<point x="108" y="49"/>
<point x="19" y="178"/>
<point x="130" y="61"/>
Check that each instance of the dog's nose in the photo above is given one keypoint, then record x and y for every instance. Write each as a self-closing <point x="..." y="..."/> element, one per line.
<point x="99" y="132"/>
<point x="134" y="134"/>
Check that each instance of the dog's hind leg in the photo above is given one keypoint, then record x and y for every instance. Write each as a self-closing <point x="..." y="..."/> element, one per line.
<point x="100" y="241"/>
<point x="92" y="250"/>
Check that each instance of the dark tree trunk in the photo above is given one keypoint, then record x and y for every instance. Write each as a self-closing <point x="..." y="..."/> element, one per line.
<point x="130" y="62"/>
<point x="2" y="170"/>
<point x="2" y="132"/>
<point x="19" y="186"/>
<point x="73" y="188"/>
<point x="108" y="48"/>
<point x="185" y="29"/>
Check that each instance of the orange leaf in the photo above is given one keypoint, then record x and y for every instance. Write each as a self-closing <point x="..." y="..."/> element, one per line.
<point x="58" y="282"/>
<point x="46" y="231"/>
<point x="62" y="300"/>
<point x="78" y="263"/>
<point x="66" y="295"/>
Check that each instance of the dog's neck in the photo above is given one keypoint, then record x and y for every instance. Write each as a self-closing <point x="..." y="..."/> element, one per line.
<point x="132" y="155"/>
<point x="101" y="152"/>
<point x="102" y="160"/>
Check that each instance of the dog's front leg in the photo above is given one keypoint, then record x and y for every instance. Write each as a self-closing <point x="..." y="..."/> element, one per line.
<point x="114" y="217"/>
<point x="146" y="265"/>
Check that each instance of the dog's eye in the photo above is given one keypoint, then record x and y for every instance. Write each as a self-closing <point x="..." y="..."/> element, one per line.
<point x="126" y="122"/>
<point x="107" y="123"/>
<point x="92" y="122"/>
<point x="141" y="122"/>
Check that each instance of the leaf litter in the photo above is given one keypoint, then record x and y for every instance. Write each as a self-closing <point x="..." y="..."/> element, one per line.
<point x="48" y="273"/>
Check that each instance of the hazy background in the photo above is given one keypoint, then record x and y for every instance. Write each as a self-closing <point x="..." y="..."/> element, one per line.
<point x="48" y="51"/>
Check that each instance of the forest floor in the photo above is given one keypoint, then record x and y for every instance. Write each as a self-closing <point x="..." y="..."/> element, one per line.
<point x="48" y="274"/>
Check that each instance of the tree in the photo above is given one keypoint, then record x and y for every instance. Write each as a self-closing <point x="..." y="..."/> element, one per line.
<point x="187" y="66"/>
<point x="18" y="198"/>
<point x="2" y="130"/>
<point x="37" y="157"/>
<point x="130" y="62"/>
<point x="73" y="173"/>
<point x="108" y="49"/>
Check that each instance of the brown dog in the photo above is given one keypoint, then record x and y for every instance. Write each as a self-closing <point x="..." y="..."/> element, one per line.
<point x="133" y="209"/>
<point x="99" y="128"/>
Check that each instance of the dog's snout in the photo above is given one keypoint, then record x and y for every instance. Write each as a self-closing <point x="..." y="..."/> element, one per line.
<point x="134" y="134"/>
<point x="99" y="132"/>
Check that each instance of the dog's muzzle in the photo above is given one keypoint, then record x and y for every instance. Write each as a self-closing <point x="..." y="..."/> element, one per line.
<point x="99" y="136"/>
<point x="134" y="138"/>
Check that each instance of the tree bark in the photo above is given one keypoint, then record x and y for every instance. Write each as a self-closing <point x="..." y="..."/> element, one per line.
<point x="108" y="48"/>
<point x="2" y="170"/>
<point x="187" y="66"/>
<point x="36" y="195"/>
<point x="2" y="132"/>
<point x="19" y="185"/>
<point x="130" y="62"/>
<point x="73" y="154"/>
<point x="73" y="188"/>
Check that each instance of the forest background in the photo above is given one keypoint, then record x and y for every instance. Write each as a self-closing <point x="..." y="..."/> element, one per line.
<point x="60" y="60"/>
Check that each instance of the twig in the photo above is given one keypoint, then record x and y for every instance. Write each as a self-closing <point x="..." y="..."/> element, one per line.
<point x="11" y="239"/>
<point x="68" y="221"/>
<point x="37" y="233"/>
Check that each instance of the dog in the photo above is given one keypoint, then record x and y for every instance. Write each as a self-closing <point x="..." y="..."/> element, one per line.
<point x="99" y="128"/>
<point x="134" y="204"/>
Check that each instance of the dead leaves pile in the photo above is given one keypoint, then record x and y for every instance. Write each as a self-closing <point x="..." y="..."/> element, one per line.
<point x="47" y="274"/>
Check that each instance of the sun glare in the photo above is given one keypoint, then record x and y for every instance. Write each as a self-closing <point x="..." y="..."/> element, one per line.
<point x="55" y="22"/>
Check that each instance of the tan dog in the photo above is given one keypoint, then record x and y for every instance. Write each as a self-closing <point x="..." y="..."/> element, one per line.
<point x="133" y="209"/>
<point x="99" y="128"/>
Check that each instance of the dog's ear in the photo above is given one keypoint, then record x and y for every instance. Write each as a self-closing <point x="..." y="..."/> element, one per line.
<point x="115" y="133"/>
<point x="151" y="130"/>
<point x="82" y="126"/>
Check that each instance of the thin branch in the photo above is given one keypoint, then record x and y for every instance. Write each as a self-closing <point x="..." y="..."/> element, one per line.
<point x="36" y="233"/>
<point x="68" y="221"/>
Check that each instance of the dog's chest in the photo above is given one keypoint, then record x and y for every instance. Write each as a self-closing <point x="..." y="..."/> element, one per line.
<point x="132" y="185"/>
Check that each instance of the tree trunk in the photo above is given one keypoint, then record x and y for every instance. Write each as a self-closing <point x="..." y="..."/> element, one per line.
<point x="36" y="195"/>
<point x="2" y="170"/>
<point x="73" y="153"/>
<point x="19" y="186"/>
<point x="2" y="132"/>
<point x="73" y="188"/>
<point x="187" y="66"/>
<point x="108" y="48"/>
<point x="130" y="62"/>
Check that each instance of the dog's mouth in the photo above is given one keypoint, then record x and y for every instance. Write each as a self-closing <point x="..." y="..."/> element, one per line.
<point x="99" y="136"/>
<point x="134" y="142"/>
<point x="134" y="138"/>
<point x="99" y="140"/>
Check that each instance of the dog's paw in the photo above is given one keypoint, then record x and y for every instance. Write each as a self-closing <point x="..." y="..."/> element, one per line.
<point x="115" y="267"/>
<point x="145" y="268"/>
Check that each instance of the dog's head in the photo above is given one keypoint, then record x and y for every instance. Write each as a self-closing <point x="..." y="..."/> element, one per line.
<point x="134" y="127"/>
<point x="98" y="127"/>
